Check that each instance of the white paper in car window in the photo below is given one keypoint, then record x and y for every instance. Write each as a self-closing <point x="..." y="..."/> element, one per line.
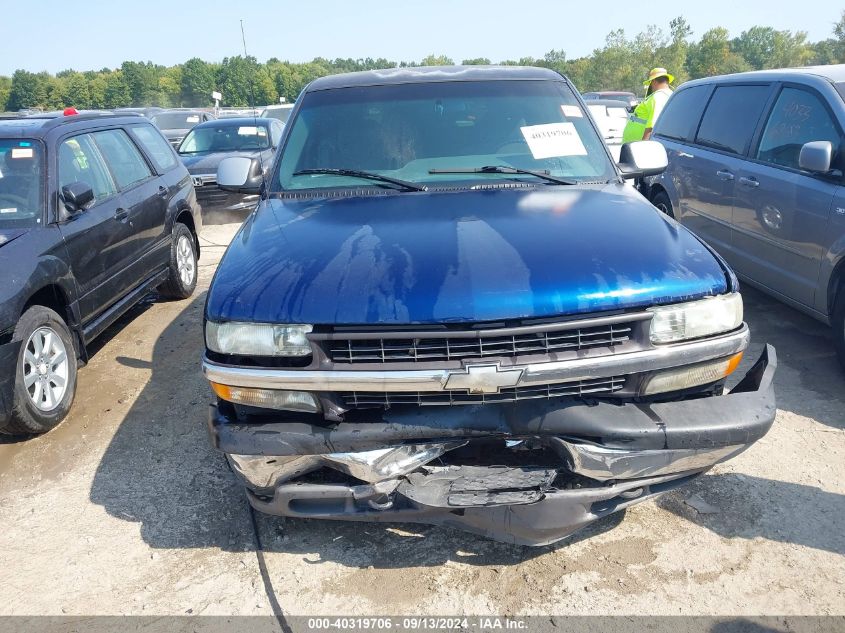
<point x="22" y="152"/>
<point x="193" y="119"/>
<point x="572" y="111"/>
<point x="9" y="210"/>
<point x="248" y="130"/>
<point x="553" y="139"/>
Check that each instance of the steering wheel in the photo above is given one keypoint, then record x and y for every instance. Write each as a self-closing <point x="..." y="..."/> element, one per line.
<point x="18" y="201"/>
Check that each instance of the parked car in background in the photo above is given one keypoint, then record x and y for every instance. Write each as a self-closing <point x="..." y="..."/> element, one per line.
<point x="175" y="124"/>
<point x="610" y="117"/>
<point x="280" y="112"/>
<point x="95" y="211"/>
<point x="229" y="113"/>
<point x="208" y="143"/>
<point x="448" y="308"/>
<point x="628" y="98"/>
<point x="145" y="112"/>
<point x="756" y="167"/>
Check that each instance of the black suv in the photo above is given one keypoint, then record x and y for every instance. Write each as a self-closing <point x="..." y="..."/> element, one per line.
<point x="95" y="211"/>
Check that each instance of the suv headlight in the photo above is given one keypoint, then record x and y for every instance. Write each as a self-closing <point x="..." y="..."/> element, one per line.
<point x="257" y="339"/>
<point x="695" y="319"/>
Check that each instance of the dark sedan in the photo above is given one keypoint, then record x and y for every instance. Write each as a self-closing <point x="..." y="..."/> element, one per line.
<point x="208" y="143"/>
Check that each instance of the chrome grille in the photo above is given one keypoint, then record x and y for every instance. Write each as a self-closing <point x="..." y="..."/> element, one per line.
<point x="387" y="348"/>
<point x="592" y="387"/>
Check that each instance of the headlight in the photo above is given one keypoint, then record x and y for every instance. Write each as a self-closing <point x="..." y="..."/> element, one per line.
<point x="683" y="321"/>
<point x="257" y="339"/>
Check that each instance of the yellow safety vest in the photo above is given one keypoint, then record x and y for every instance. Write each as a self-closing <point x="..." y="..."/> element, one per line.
<point x="642" y="118"/>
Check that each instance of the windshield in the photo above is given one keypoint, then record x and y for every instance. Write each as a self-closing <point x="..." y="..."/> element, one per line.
<point x="225" y="137"/>
<point x="281" y="114"/>
<point x="405" y="131"/>
<point x="21" y="166"/>
<point x="176" y="120"/>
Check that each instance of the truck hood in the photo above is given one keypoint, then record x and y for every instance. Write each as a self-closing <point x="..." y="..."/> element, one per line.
<point x="458" y="257"/>
<point x="7" y="235"/>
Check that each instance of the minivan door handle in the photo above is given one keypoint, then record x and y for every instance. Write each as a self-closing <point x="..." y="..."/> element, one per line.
<point x="749" y="182"/>
<point x="724" y="174"/>
<point x="162" y="191"/>
<point x="121" y="215"/>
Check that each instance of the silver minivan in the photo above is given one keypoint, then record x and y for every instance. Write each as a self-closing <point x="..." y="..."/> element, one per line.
<point x="756" y="169"/>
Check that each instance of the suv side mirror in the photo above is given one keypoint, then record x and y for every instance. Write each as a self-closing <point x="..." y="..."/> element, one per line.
<point x="238" y="175"/>
<point x="76" y="196"/>
<point x="816" y="156"/>
<point x="642" y="158"/>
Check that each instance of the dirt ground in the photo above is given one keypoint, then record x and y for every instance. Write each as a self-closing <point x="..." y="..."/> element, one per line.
<point x="126" y="509"/>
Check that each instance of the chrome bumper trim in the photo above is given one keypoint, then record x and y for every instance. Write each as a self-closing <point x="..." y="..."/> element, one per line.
<point x="602" y="463"/>
<point x="654" y="359"/>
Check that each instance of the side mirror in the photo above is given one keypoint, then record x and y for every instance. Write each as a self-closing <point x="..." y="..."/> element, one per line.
<point x="642" y="158"/>
<point x="239" y="175"/>
<point x="816" y="156"/>
<point x="76" y="196"/>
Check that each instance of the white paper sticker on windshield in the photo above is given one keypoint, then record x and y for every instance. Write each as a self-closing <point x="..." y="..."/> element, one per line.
<point x="553" y="139"/>
<point x="248" y="130"/>
<point x="9" y="210"/>
<point x="193" y="119"/>
<point x="21" y="152"/>
<point x="572" y="111"/>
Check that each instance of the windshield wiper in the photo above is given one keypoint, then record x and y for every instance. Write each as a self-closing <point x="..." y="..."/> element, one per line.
<point x="404" y="184"/>
<point x="504" y="169"/>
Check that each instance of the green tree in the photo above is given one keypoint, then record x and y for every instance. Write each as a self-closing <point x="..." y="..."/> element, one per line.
<point x="476" y="61"/>
<point x="712" y="55"/>
<point x="5" y="90"/>
<point x="437" y="60"/>
<point x="197" y="82"/>
<point x="116" y="93"/>
<point x="764" y="47"/>
<point x="142" y="79"/>
<point x="27" y="90"/>
<point x="74" y="91"/>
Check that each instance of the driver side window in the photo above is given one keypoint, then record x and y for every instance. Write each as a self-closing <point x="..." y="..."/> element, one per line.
<point x="79" y="161"/>
<point x="798" y="117"/>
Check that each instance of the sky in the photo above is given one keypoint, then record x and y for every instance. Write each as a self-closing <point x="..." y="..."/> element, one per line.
<point x="87" y="35"/>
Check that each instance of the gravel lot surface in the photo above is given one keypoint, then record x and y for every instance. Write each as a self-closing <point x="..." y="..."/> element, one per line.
<point x="126" y="509"/>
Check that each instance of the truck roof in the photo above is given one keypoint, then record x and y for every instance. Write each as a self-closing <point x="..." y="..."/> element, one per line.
<point x="425" y="74"/>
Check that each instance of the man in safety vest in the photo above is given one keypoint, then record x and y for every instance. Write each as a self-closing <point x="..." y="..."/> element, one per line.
<point x="641" y="121"/>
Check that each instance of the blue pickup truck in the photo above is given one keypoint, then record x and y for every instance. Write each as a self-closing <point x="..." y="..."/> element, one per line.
<point x="449" y="308"/>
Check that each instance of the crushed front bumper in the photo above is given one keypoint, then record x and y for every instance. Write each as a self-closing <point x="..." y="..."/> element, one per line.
<point x="566" y="464"/>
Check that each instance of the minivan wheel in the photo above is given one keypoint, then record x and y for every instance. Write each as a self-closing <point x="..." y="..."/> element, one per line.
<point x="182" y="280"/>
<point x="838" y="323"/>
<point x="662" y="202"/>
<point x="45" y="375"/>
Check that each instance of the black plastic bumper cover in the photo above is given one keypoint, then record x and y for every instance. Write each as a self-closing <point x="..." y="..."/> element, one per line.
<point x="739" y="418"/>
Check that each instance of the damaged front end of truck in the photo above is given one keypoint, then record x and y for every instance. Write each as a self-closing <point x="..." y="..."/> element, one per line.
<point x="526" y="465"/>
<point x="449" y="308"/>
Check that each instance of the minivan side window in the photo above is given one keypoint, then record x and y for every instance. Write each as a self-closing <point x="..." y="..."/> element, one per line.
<point x="123" y="158"/>
<point x="798" y="117"/>
<point x="682" y="113"/>
<point x="731" y="117"/>
<point x="157" y="148"/>
<point x="79" y="161"/>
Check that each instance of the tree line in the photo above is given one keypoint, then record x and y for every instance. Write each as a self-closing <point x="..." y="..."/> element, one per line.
<point x="620" y="64"/>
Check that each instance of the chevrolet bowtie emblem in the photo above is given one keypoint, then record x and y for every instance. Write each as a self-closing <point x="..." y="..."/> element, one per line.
<point x="483" y="379"/>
